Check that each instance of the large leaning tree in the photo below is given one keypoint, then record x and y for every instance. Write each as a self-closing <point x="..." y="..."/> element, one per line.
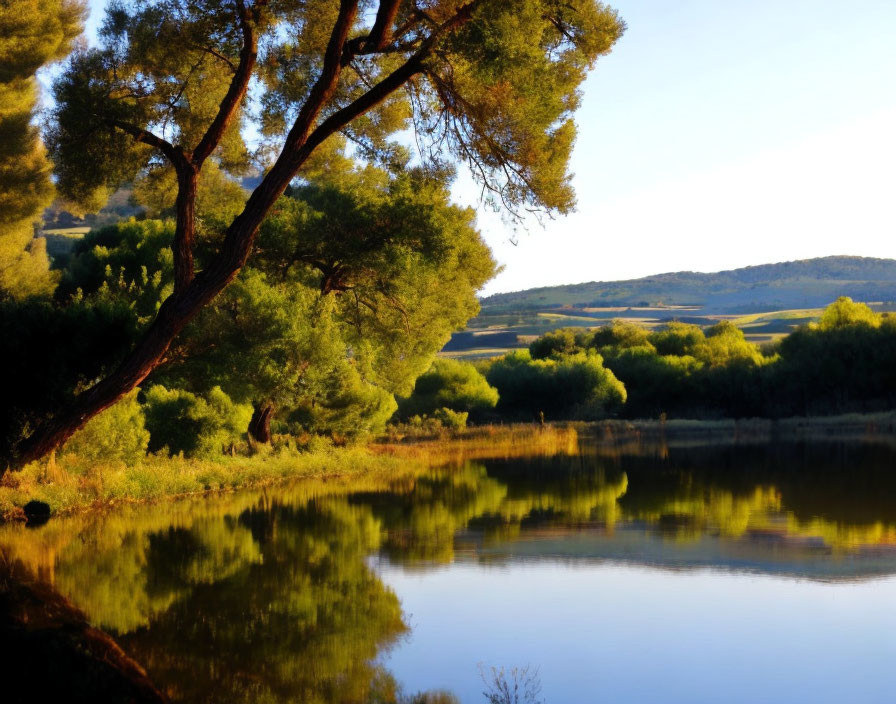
<point x="180" y="84"/>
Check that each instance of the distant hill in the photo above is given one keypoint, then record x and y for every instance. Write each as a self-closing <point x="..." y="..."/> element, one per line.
<point x="807" y="283"/>
<point x="767" y="301"/>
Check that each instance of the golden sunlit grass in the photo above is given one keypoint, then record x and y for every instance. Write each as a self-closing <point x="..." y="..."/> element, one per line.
<point x="69" y="484"/>
<point x="482" y="442"/>
<point x="73" y="232"/>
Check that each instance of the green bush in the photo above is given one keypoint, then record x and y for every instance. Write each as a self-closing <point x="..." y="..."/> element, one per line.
<point x="454" y="420"/>
<point x="449" y="384"/>
<point x="576" y="386"/>
<point x="559" y="342"/>
<point x="186" y="423"/>
<point x="118" y="433"/>
<point x="347" y="407"/>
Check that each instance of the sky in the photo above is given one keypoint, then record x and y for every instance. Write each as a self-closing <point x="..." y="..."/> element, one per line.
<point x="721" y="134"/>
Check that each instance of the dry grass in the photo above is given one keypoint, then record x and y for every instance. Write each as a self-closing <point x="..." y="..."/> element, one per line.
<point x="70" y="485"/>
<point x="483" y="442"/>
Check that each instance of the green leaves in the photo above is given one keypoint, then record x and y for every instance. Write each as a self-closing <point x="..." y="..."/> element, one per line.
<point x="503" y="91"/>
<point x="31" y="35"/>
<point x="196" y="426"/>
<point x="574" y="386"/>
<point x="449" y="385"/>
<point x="494" y="85"/>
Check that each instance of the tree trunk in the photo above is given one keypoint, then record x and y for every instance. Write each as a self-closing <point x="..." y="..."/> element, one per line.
<point x="260" y="425"/>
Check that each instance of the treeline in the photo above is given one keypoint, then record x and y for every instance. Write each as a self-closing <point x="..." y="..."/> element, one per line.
<point x="846" y="362"/>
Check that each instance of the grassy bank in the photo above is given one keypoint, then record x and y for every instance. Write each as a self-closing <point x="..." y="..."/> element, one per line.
<point x="70" y="484"/>
<point x="481" y="442"/>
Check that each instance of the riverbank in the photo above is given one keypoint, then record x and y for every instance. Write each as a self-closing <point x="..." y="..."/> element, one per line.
<point x="69" y="484"/>
<point x="851" y="426"/>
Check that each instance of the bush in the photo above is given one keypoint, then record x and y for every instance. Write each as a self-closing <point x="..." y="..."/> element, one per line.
<point x="552" y="344"/>
<point x="575" y="386"/>
<point x="186" y="423"/>
<point x="348" y="408"/>
<point x="118" y="433"/>
<point x="453" y="420"/>
<point x="449" y="384"/>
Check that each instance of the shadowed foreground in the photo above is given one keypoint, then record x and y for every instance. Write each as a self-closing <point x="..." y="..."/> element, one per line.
<point x="52" y="654"/>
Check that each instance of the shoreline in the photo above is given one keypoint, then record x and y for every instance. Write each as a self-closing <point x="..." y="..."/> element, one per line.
<point x="68" y="487"/>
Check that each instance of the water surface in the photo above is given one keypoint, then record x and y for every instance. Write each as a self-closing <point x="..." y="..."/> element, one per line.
<point x="623" y="572"/>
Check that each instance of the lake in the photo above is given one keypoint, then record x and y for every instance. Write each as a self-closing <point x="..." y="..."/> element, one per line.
<point x="630" y="570"/>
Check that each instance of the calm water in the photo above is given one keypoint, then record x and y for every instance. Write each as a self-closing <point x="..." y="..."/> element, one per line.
<point x="636" y="573"/>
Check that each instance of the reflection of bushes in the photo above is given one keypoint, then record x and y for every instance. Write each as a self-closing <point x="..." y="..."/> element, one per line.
<point x="303" y="622"/>
<point x="276" y="591"/>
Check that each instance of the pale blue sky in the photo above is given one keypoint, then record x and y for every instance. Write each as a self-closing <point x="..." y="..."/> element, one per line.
<point x="720" y="134"/>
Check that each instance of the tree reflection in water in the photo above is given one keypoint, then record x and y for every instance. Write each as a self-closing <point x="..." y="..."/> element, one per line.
<point x="271" y="597"/>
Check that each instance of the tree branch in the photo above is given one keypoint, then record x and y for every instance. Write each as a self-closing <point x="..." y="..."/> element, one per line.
<point x="391" y="83"/>
<point x="329" y="76"/>
<point x="381" y="33"/>
<point x="175" y="155"/>
<point x="235" y="92"/>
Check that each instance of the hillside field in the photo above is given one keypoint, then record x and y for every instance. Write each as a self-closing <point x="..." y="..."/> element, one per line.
<point x="766" y="301"/>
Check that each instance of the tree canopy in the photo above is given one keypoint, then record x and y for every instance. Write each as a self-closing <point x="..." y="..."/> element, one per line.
<point x="32" y="34"/>
<point x="186" y="97"/>
<point x="360" y="277"/>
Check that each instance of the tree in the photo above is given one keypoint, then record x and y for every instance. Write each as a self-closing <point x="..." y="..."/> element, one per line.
<point x="319" y="329"/>
<point x="492" y="84"/>
<point x="31" y="35"/>
<point x="844" y="312"/>
<point x="558" y="342"/>
<point x="620" y="335"/>
<point x="325" y="329"/>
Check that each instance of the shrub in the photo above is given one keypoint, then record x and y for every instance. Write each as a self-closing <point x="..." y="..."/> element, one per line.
<point x="449" y="384"/>
<point x="453" y="420"/>
<point x="552" y="344"/>
<point x="349" y="408"/>
<point x="844" y="312"/>
<point x="575" y="386"/>
<point x="118" y="433"/>
<point x="186" y="423"/>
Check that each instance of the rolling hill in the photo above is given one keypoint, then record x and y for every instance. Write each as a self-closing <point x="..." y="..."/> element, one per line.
<point x="766" y="300"/>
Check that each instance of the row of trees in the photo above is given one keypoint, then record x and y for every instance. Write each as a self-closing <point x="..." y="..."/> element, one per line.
<point x="845" y="362"/>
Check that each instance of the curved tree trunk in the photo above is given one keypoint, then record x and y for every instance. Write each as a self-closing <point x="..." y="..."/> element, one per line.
<point x="260" y="425"/>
